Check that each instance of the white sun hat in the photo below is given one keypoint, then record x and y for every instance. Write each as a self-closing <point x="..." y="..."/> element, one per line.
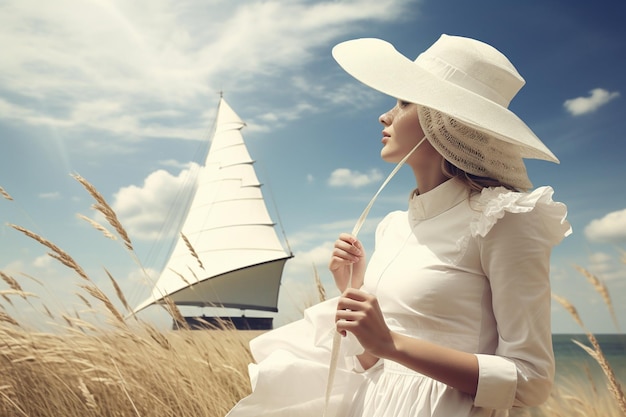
<point x="471" y="84"/>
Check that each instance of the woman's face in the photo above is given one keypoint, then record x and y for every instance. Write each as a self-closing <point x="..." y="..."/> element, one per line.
<point x="402" y="131"/>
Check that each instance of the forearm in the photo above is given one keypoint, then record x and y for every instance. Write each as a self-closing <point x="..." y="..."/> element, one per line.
<point x="454" y="368"/>
<point x="358" y="312"/>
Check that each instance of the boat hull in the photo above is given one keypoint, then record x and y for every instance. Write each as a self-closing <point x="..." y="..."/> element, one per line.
<point x="222" y="323"/>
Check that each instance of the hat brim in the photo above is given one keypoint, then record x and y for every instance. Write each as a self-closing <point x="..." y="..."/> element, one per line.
<point x="377" y="64"/>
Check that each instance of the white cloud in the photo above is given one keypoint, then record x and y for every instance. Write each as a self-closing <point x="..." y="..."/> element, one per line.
<point x="123" y="66"/>
<point x="601" y="263"/>
<point x="53" y="195"/>
<point x="272" y="120"/>
<point x="173" y="163"/>
<point x="581" y="105"/>
<point x="143" y="210"/>
<point x="607" y="267"/>
<point x="599" y="258"/>
<point x="344" y="177"/>
<point x="43" y="261"/>
<point x="611" y="228"/>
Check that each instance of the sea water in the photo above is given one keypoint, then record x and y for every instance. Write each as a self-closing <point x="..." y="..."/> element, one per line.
<point x="573" y="362"/>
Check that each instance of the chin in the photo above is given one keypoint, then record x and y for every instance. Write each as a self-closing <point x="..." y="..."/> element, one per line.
<point x="389" y="157"/>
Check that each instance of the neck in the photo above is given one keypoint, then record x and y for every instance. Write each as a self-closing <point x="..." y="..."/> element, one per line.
<point x="426" y="181"/>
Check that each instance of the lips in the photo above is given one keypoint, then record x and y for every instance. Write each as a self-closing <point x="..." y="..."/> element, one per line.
<point x="386" y="136"/>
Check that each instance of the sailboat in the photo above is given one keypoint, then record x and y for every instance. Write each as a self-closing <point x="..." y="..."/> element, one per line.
<point x="228" y="254"/>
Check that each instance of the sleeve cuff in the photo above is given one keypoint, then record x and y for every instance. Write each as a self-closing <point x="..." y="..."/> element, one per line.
<point x="355" y="365"/>
<point x="497" y="382"/>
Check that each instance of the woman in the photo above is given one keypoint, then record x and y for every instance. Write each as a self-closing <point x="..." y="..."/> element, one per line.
<point x="452" y="313"/>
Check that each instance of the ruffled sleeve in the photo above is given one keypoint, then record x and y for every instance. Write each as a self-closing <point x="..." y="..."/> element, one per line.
<point x="515" y="234"/>
<point x="494" y="202"/>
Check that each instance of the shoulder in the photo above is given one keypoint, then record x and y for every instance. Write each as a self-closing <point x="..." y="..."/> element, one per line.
<point x="537" y="207"/>
<point x="397" y="217"/>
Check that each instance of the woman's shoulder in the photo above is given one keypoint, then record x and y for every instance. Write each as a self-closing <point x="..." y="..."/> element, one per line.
<point x="391" y="217"/>
<point x="493" y="203"/>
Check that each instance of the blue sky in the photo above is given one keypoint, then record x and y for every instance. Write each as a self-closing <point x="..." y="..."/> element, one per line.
<point x="124" y="93"/>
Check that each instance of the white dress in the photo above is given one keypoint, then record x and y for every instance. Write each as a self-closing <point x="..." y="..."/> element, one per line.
<point x="466" y="271"/>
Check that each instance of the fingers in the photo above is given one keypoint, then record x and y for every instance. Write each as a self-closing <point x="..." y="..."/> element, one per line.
<point x="348" y="320"/>
<point x="355" y="294"/>
<point x="354" y="305"/>
<point x="347" y="248"/>
<point x="347" y="262"/>
<point x="358" y="312"/>
<point x="352" y="241"/>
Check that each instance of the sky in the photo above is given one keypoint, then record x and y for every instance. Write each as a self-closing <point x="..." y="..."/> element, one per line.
<point x="124" y="94"/>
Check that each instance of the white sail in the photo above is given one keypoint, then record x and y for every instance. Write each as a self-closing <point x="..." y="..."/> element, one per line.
<point x="240" y="258"/>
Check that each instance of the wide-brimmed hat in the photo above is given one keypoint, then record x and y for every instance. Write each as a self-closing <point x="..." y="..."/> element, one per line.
<point x="469" y="82"/>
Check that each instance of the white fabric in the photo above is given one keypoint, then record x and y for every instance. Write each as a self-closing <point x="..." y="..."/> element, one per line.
<point x="291" y="370"/>
<point x="466" y="272"/>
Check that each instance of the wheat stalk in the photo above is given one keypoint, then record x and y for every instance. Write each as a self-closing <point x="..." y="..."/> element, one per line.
<point x="7" y="299"/>
<point x="84" y="300"/>
<point x="597" y="354"/>
<point x="59" y="254"/>
<point x="4" y="194"/>
<point x="78" y="322"/>
<point x="97" y="293"/>
<point x="570" y="309"/>
<point x="11" y="281"/>
<point x="195" y="277"/>
<point x="90" y="400"/>
<point x="31" y="278"/>
<point x="174" y="311"/>
<point x="97" y="226"/>
<point x="601" y="288"/>
<point x="123" y="385"/>
<point x="23" y="294"/>
<point x="48" y="313"/>
<point x="118" y="291"/>
<point x="612" y="383"/>
<point x="181" y="276"/>
<point x="8" y="319"/>
<point x="158" y="337"/>
<point x="191" y="249"/>
<point x="17" y="407"/>
<point x="321" y="291"/>
<point x="103" y="207"/>
<point x="67" y="320"/>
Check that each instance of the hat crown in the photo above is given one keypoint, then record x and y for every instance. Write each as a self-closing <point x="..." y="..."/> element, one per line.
<point x="473" y="65"/>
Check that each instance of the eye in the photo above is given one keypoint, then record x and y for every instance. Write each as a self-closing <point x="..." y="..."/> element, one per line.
<point x="403" y="104"/>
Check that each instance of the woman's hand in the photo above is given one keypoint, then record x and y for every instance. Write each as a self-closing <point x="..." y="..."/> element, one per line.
<point x="347" y="252"/>
<point x="359" y="313"/>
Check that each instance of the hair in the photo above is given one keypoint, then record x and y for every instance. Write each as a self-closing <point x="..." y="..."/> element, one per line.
<point x="474" y="182"/>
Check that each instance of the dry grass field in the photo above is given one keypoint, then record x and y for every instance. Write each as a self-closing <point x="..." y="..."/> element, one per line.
<point x="129" y="368"/>
<point x="127" y="372"/>
<point x="143" y="372"/>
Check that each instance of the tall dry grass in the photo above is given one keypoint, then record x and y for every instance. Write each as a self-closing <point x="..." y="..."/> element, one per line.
<point x="139" y="371"/>
<point x="130" y="368"/>
<point x="595" y="405"/>
<point x="127" y="368"/>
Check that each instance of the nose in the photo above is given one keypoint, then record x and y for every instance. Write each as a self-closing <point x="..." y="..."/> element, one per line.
<point x="385" y="118"/>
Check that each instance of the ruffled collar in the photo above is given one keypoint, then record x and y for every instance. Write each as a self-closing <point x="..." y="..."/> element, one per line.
<point x="438" y="200"/>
